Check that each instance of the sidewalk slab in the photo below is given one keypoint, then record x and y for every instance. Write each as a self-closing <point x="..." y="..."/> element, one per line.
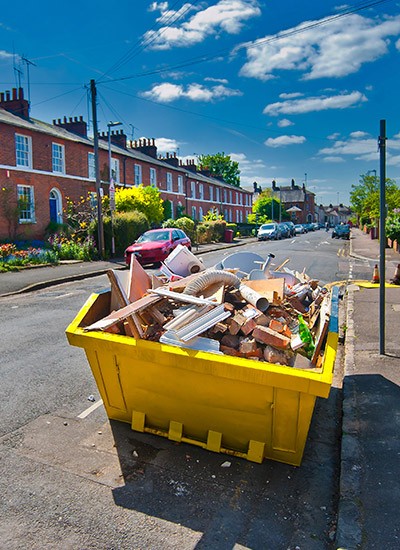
<point x="370" y="454"/>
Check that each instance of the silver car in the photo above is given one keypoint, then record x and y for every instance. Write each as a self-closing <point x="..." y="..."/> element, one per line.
<point x="268" y="232"/>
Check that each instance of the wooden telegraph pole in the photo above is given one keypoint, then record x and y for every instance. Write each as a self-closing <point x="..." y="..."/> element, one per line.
<point x="99" y="190"/>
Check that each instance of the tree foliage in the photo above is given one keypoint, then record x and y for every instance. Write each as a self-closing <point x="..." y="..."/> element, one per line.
<point x="221" y="165"/>
<point x="142" y="199"/>
<point x="365" y="197"/>
<point x="267" y="208"/>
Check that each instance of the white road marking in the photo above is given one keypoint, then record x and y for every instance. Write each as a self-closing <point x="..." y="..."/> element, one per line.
<point x="90" y="409"/>
<point x="63" y="295"/>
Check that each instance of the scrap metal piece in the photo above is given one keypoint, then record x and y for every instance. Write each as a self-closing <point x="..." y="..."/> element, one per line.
<point x="203" y="323"/>
<point x="200" y="343"/>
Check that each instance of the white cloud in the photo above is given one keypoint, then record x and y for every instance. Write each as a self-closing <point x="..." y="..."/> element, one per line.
<point x="219" y="80"/>
<point x="167" y="92"/>
<point x="6" y="55"/>
<point x="313" y="104"/>
<point x="329" y="49"/>
<point x="334" y="160"/>
<point x="250" y="169"/>
<point x="333" y="136"/>
<point x="285" y="122"/>
<point x="361" y="146"/>
<point x="358" y="134"/>
<point x="282" y="141"/>
<point x="166" y="145"/>
<point x="226" y="15"/>
<point x="291" y="95"/>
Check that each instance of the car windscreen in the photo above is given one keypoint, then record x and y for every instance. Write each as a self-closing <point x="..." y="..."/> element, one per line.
<point x="154" y="237"/>
<point x="267" y="226"/>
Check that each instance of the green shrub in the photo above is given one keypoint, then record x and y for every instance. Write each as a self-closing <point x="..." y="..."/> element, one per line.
<point x="128" y="226"/>
<point x="186" y="224"/>
<point x="392" y="226"/>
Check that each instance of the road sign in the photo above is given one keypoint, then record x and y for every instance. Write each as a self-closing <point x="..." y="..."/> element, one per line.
<point x="112" y="195"/>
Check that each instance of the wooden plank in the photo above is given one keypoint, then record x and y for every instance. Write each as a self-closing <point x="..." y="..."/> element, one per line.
<point x="124" y="313"/>
<point x="267" y="286"/>
<point x="132" y="321"/>
<point x="320" y="342"/>
<point x="139" y="280"/>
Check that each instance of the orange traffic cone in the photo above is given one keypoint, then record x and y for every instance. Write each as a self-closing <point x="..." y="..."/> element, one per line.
<point x="375" y="276"/>
<point x="396" y="278"/>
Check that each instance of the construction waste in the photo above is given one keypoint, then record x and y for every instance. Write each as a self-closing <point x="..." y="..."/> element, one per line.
<point x="239" y="308"/>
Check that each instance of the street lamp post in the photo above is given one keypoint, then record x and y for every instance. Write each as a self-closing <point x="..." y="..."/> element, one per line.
<point x="112" y="187"/>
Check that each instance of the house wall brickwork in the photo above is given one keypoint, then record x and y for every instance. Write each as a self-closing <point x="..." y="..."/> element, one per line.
<point x="178" y="182"/>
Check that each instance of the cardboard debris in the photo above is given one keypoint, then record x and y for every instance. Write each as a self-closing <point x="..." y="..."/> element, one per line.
<point x="221" y="319"/>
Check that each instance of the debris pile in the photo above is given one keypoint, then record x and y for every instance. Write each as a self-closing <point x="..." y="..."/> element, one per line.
<point x="238" y="308"/>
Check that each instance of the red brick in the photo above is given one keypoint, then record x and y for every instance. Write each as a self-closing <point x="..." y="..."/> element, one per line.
<point x="248" y="327"/>
<point x="267" y="336"/>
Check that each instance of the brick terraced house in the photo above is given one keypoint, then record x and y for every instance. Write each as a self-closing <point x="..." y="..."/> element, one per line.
<point x="42" y="164"/>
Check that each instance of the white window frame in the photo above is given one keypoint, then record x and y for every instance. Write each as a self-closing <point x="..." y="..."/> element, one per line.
<point x="91" y="166"/>
<point x="28" y="215"/>
<point x="217" y="194"/>
<point x="201" y="191"/>
<point x="169" y="182"/>
<point x="200" y="214"/>
<point x="230" y="197"/>
<point x="153" y="177"/>
<point x="180" y="185"/>
<point x="225" y="196"/>
<point x="193" y="189"/>
<point x="23" y="151"/>
<point x="138" y="174"/>
<point x="194" y="213"/>
<point x="58" y="158"/>
<point x="211" y="193"/>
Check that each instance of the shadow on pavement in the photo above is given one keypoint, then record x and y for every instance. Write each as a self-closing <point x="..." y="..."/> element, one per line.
<point x="272" y="505"/>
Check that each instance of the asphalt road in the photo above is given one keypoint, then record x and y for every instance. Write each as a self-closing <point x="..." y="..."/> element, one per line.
<point x="70" y="479"/>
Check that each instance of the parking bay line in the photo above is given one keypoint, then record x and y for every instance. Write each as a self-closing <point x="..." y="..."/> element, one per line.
<point x="90" y="409"/>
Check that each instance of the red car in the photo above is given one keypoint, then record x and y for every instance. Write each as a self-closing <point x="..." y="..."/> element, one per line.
<point x="155" y="245"/>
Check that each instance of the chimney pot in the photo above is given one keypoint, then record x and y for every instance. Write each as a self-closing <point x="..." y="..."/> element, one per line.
<point x="14" y="93"/>
<point x="8" y="97"/>
<point x="20" y="93"/>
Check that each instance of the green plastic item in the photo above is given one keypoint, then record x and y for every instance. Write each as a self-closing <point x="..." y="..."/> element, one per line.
<point x="306" y="337"/>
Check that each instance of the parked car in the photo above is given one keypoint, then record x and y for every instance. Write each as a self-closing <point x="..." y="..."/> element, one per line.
<point x="268" y="232"/>
<point x="284" y="229"/>
<point x="291" y="228"/>
<point x="300" y="229"/>
<point x="341" y="232"/>
<point x="309" y="226"/>
<point x="155" y="245"/>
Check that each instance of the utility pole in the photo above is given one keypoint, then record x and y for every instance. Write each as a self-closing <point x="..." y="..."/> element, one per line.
<point x="99" y="190"/>
<point x="382" y="234"/>
<point x="27" y="63"/>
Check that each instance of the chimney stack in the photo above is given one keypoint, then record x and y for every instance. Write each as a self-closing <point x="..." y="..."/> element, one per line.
<point x="15" y="103"/>
<point x="75" y="125"/>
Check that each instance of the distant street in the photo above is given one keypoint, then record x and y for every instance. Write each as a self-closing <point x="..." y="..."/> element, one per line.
<point x="70" y="479"/>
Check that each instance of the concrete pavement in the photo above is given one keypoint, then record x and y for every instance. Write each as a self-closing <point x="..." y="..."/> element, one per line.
<point x="369" y="481"/>
<point x="370" y="451"/>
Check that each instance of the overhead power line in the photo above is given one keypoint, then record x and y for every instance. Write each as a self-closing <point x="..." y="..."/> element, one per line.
<point x="281" y="35"/>
<point x="166" y="20"/>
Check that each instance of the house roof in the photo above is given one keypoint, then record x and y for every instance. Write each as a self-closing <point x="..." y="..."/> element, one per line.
<point x="61" y="133"/>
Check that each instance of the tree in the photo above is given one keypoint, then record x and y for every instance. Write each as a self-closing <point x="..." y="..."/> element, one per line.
<point x="364" y="197"/>
<point x="142" y="199"/>
<point x="267" y="207"/>
<point x="221" y="165"/>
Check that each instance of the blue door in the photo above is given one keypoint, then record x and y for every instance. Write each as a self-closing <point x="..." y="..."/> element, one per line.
<point x="53" y="209"/>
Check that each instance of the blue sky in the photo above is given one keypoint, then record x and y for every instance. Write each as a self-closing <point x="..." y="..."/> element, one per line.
<point x="289" y="89"/>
